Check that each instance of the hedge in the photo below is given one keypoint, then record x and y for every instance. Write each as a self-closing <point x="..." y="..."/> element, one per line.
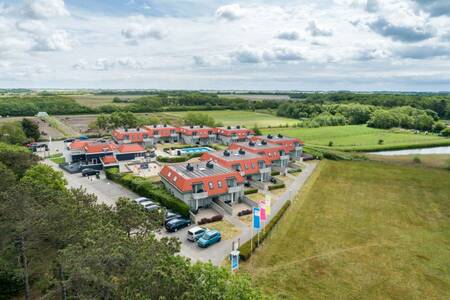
<point x="213" y="219"/>
<point x="245" y="251"/>
<point x="275" y="173"/>
<point x="276" y="186"/>
<point x="294" y="171"/>
<point x="250" y="191"/>
<point x="145" y="188"/>
<point x="177" y="159"/>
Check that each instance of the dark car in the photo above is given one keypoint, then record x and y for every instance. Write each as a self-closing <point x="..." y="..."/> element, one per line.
<point x="176" y="224"/>
<point x="69" y="140"/>
<point x="89" y="172"/>
<point x="170" y="216"/>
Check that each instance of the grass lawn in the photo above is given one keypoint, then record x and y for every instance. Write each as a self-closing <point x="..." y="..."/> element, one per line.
<point x="256" y="197"/>
<point x="360" y="137"/>
<point x="226" y="229"/>
<point x="361" y="230"/>
<point x="242" y="117"/>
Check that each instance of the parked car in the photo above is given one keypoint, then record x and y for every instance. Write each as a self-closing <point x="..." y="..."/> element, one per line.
<point x="195" y="233"/>
<point x="89" y="172"/>
<point x="151" y="206"/>
<point x="141" y="199"/>
<point x="83" y="137"/>
<point x="176" y="224"/>
<point x="210" y="237"/>
<point x="170" y="216"/>
<point x="69" y="140"/>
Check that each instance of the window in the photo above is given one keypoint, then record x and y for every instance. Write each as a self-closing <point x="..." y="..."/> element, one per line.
<point x="156" y="132"/>
<point x="219" y="184"/>
<point x="175" y="178"/>
<point x="246" y="166"/>
<point x="253" y="165"/>
<point x="169" y="174"/>
<point x="211" y="185"/>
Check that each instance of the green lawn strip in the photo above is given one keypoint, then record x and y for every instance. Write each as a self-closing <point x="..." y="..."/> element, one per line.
<point x="361" y="230"/>
<point x="361" y="138"/>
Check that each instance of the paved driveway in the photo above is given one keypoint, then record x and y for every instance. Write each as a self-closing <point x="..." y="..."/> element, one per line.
<point x="106" y="191"/>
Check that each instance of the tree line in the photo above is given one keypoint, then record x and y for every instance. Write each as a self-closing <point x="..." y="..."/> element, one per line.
<point x="60" y="243"/>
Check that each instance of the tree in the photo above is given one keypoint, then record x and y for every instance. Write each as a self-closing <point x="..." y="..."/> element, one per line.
<point x="12" y="133"/>
<point x="44" y="177"/>
<point x="133" y="218"/>
<point x="102" y="122"/>
<point x="17" y="158"/>
<point x="445" y="132"/>
<point x="31" y="129"/>
<point x="199" y="119"/>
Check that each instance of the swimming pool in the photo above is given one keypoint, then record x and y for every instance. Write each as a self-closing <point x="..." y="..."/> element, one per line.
<point x="195" y="150"/>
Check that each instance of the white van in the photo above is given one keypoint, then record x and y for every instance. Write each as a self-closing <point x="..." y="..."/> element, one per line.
<point x="195" y="233"/>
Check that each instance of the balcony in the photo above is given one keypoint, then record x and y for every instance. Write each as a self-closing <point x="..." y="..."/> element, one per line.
<point x="198" y="196"/>
<point x="265" y="170"/>
<point x="235" y="189"/>
<point x="298" y="148"/>
<point x="174" y="134"/>
<point x="212" y="135"/>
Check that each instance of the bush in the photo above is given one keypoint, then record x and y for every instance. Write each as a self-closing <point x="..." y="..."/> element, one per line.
<point x="294" y="171"/>
<point x="380" y="142"/>
<point x="250" y="191"/>
<point x="417" y="160"/>
<point x="445" y="132"/>
<point x="245" y="251"/>
<point x="275" y="173"/>
<point x="330" y="144"/>
<point x="145" y="188"/>
<point x="244" y="212"/>
<point x="276" y="186"/>
<point x="177" y="159"/>
<point x="213" y="219"/>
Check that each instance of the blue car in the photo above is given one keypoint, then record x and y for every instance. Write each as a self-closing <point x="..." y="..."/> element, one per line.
<point x="209" y="238"/>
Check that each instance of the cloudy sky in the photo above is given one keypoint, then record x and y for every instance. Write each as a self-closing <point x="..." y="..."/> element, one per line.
<point x="219" y="44"/>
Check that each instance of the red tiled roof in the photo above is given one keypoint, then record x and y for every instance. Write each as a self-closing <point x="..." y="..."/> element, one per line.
<point x="99" y="147"/>
<point x="131" y="148"/>
<point x="109" y="159"/>
<point x="78" y="145"/>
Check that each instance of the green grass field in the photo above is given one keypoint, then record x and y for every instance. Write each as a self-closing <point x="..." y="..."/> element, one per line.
<point x="244" y="118"/>
<point x="90" y="100"/>
<point x="360" y="137"/>
<point x="361" y="230"/>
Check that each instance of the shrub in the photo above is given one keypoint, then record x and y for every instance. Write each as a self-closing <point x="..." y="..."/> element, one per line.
<point x="213" y="219"/>
<point x="275" y="173"/>
<point x="244" y="212"/>
<point x="250" y="191"/>
<point x="417" y="160"/>
<point x="294" y="171"/>
<point x="330" y="144"/>
<point x="177" y="159"/>
<point x="276" y="186"/>
<point x="380" y="142"/>
<point x="445" y="132"/>
<point x="146" y="188"/>
<point x="245" y="251"/>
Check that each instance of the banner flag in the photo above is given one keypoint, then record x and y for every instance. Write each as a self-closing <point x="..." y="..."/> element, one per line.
<point x="268" y="204"/>
<point x="262" y="211"/>
<point x="256" y="218"/>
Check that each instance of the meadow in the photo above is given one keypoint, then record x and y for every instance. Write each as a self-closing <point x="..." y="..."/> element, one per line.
<point x="244" y="118"/>
<point x="93" y="101"/>
<point x="361" y="138"/>
<point x="361" y="230"/>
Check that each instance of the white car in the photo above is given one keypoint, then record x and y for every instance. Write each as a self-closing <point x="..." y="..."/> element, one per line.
<point x="195" y="233"/>
<point x="140" y="200"/>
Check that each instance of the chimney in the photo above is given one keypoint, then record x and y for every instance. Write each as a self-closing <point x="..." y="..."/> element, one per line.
<point x="226" y="153"/>
<point x="209" y="165"/>
<point x="201" y="126"/>
<point x="251" y="143"/>
<point x="154" y="126"/>
<point x="165" y="125"/>
<point x="126" y="129"/>
<point x="228" y="127"/>
<point x="138" y="129"/>
<point x="191" y="126"/>
<point x="263" y="142"/>
<point x="269" y="136"/>
<point x="189" y="167"/>
<point x="241" y="151"/>
<point x="238" y="127"/>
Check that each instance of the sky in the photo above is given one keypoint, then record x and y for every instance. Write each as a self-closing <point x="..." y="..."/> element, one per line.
<point x="361" y="45"/>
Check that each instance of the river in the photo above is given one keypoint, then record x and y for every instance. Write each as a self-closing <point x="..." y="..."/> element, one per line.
<point x="434" y="150"/>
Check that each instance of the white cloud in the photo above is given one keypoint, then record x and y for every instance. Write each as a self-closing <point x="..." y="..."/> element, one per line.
<point x="289" y="35"/>
<point x="230" y="12"/>
<point x="247" y="55"/>
<point x="58" y="40"/>
<point x="31" y="26"/>
<point x="315" y="30"/>
<point x="103" y="64"/>
<point x="128" y="62"/>
<point x="136" y="32"/>
<point x="43" y="9"/>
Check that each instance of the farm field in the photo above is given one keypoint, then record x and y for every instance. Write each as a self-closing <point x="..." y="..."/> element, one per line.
<point x="241" y="117"/>
<point x="360" y="138"/>
<point x="91" y="100"/>
<point x="361" y="230"/>
<point x="256" y="97"/>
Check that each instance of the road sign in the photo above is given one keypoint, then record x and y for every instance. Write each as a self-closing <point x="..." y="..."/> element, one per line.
<point x="256" y="218"/>
<point x="234" y="260"/>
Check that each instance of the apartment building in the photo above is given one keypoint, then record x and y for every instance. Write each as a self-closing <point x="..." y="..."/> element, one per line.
<point x="163" y="133"/>
<point x="198" y="135"/>
<point x="200" y="184"/>
<point x="250" y="165"/>
<point x="233" y="134"/>
<point x="292" y="146"/>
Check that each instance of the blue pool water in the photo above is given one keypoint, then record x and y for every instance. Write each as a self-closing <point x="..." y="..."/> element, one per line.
<point x="195" y="150"/>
